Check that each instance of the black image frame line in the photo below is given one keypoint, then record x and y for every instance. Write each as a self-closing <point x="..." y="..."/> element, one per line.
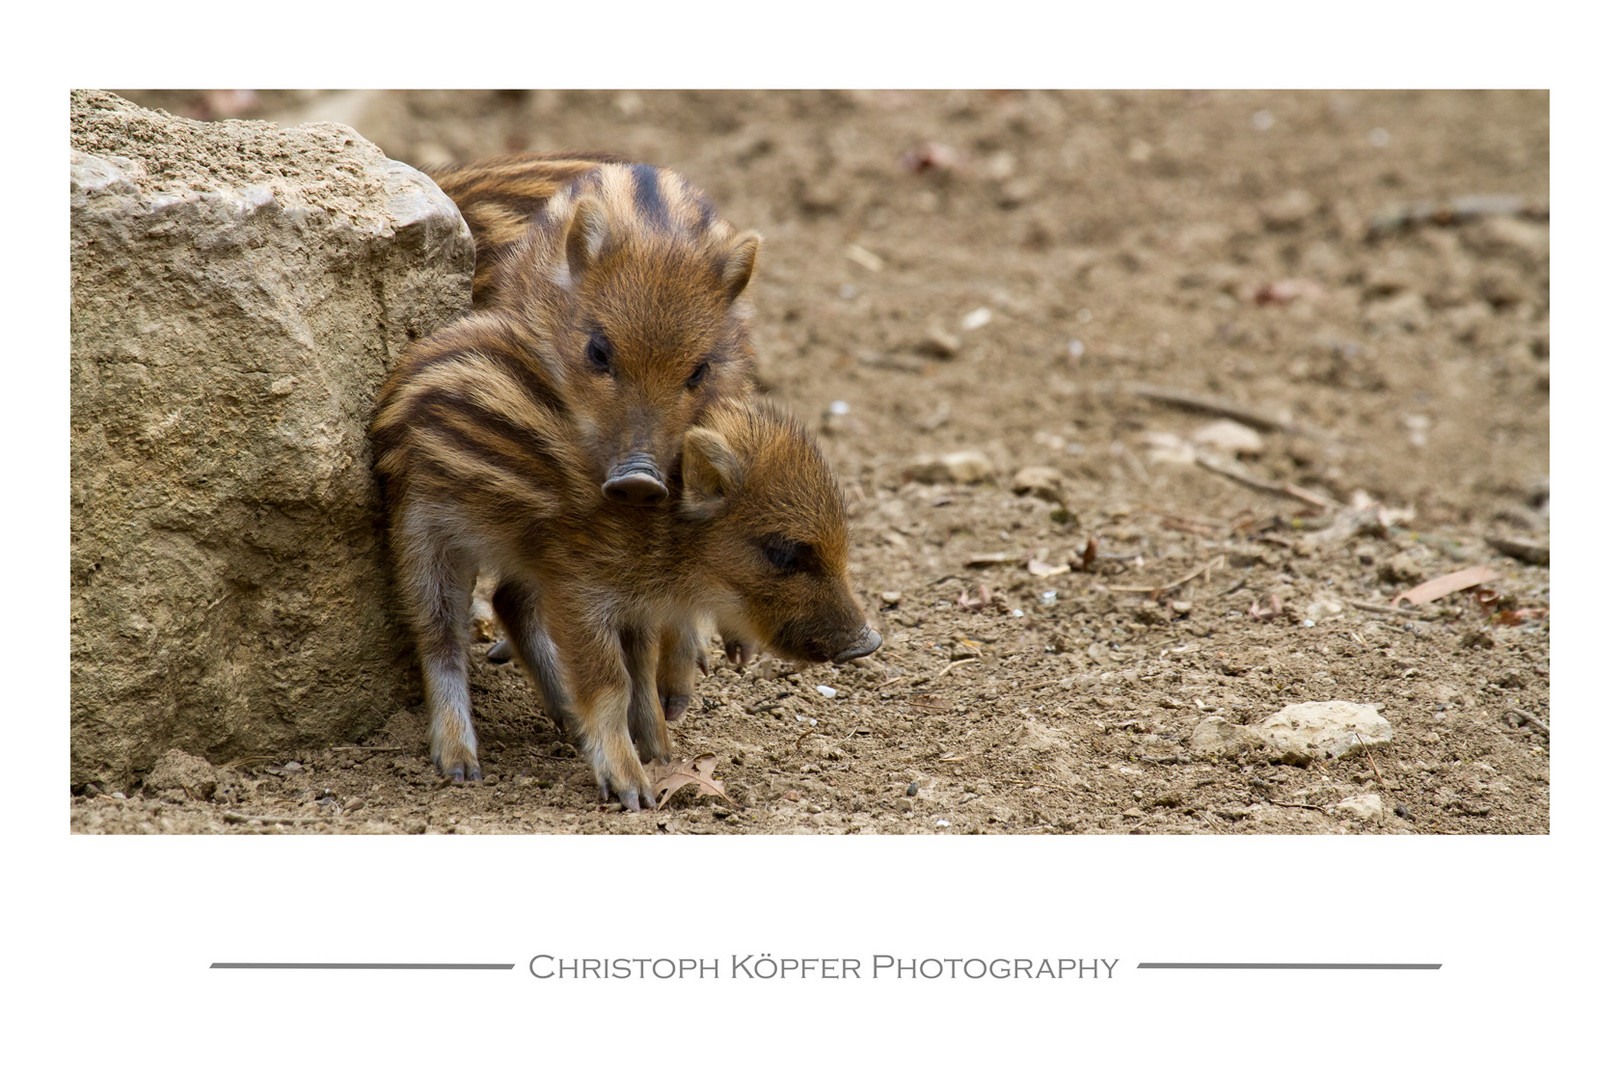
<point x="358" y="966"/>
<point x="1189" y="966"/>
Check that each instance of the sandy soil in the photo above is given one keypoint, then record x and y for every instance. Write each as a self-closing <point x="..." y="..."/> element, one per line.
<point x="1026" y="275"/>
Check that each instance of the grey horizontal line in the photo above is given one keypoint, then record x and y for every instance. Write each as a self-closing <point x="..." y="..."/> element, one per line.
<point x="1296" y="967"/>
<point x="372" y="967"/>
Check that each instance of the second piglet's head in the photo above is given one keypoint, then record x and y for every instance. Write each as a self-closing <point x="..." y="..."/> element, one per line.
<point x="769" y="529"/>
<point x="635" y="287"/>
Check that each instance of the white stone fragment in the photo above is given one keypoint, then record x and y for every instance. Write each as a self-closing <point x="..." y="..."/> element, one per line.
<point x="1317" y="730"/>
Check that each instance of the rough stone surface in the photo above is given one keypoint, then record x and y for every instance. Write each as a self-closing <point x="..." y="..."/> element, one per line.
<point x="1365" y="807"/>
<point x="238" y="292"/>
<point x="1316" y="730"/>
<point x="179" y="776"/>
<point x="1222" y="738"/>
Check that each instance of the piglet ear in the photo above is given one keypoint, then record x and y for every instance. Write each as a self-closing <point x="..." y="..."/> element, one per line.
<point x="739" y="265"/>
<point x="587" y="237"/>
<point x="710" y="472"/>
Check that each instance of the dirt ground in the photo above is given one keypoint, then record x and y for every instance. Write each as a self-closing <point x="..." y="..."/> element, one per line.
<point x="1081" y="283"/>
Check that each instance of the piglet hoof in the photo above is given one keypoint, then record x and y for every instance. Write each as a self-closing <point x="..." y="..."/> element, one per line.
<point x="500" y="652"/>
<point x="458" y="766"/>
<point x="703" y="662"/>
<point x="740" y="653"/>
<point x="631" y="798"/>
<point x="675" y="706"/>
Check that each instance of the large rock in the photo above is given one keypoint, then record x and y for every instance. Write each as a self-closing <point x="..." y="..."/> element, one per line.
<point x="1310" y="731"/>
<point x="239" y="291"/>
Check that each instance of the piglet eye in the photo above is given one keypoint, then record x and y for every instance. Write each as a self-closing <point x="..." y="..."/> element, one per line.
<point x="599" y="353"/>
<point x="699" y="373"/>
<point x="786" y="555"/>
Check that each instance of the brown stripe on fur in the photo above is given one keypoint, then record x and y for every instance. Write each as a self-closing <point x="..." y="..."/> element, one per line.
<point x="504" y="363"/>
<point x="442" y="419"/>
<point x="538" y="175"/>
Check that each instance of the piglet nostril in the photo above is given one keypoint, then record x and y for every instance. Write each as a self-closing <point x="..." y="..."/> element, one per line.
<point x="636" y="482"/>
<point x="636" y="489"/>
<point x="867" y="641"/>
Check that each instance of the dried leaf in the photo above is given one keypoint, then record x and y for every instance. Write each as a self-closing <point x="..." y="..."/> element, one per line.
<point x="1088" y="557"/>
<point x="669" y="778"/>
<point x="1445" y="585"/>
<point x="1046" y="569"/>
<point x="1518" y="615"/>
<point x="975" y="603"/>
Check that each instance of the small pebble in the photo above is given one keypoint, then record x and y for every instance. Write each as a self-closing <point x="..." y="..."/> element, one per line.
<point x="826" y="691"/>
<point x="889" y="597"/>
<point x="958" y="467"/>
<point x="1041" y="481"/>
<point x="976" y="318"/>
<point x="942" y="824"/>
<point x="1230" y="436"/>
<point x="912" y="790"/>
<point x="1048" y="598"/>
<point x="940" y="343"/>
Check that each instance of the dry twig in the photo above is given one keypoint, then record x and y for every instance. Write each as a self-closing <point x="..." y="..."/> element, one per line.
<point x="1528" y="551"/>
<point x="1454" y="211"/>
<point x="948" y="668"/>
<point x="1528" y="720"/>
<point x="1155" y="591"/>
<point x="1187" y="399"/>
<point x="231" y="817"/>
<point x="1382" y="813"/>
<point x="1291" y="491"/>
